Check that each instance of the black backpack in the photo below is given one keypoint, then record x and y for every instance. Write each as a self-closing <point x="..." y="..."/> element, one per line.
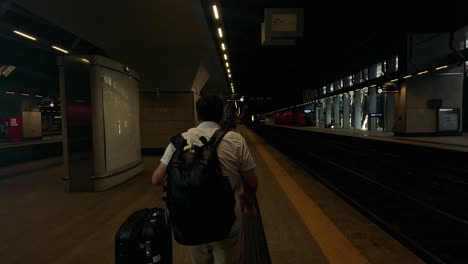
<point x="200" y="200"/>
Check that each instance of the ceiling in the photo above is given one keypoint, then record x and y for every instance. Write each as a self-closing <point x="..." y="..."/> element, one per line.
<point x="173" y="44"/>
<point x="339" y="38"/>
<point x="167" y="42"/>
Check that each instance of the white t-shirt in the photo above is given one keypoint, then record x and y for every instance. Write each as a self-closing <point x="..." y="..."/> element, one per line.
<point x="234" y="156"/>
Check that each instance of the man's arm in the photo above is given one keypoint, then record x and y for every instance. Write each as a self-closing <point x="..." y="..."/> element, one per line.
<point x="158" y="175"/>
<point x="160" y="172"/>
<point x="250" y="183"/>
<point x="250" y="180"/>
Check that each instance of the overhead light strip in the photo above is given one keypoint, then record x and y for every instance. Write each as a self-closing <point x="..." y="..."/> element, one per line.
<point x="423" y="72"/>
<point x="25" y="35"/>
<point x="215" y="11"/>
<point x="60" y="49"/>
<point x="441" y="67"/>
<point x="223" y="45"/>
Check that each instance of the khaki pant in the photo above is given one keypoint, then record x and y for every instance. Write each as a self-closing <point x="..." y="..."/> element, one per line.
<point x="228" y="251"/>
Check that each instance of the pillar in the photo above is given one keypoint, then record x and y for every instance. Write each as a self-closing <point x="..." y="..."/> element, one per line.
<point x="389" y="114"/>
<point x="328" y="116"/>
<point x="336" y="110"/>
<point x="357" y="109"/>
<point x="372" y="108"/>
<point x="346" y="110"/>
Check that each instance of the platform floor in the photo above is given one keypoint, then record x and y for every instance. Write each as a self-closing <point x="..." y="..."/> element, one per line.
<point x="304" y="222"/>
<point x="456" y="143"/>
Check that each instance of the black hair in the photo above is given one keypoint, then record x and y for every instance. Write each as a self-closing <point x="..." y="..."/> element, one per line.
<point x="210" y="108"/>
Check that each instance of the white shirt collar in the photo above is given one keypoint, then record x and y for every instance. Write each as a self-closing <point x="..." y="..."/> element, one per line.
<point x="208" y="124"/>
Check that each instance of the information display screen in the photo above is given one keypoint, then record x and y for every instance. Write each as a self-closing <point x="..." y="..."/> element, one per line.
<point x="121" y="119"/>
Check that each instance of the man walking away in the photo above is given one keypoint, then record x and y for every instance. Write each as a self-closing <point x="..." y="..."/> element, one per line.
<point x="236" y="164"/>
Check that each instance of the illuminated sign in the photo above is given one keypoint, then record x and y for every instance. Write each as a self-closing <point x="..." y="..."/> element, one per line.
<point x="13" y="122"/>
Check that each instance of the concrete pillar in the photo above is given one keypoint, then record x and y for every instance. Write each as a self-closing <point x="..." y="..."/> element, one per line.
<point x="372" y="108"/>
<point x="357" y="109"/>
<point x="389" y="114"/>
<point x="346" y="110"/>
<point x="336" y="110"/>
<point x="100" y="124"/>
<point x="465" y="100"/>
<point x="328" y="116"/>
<point x="317" y="116"/>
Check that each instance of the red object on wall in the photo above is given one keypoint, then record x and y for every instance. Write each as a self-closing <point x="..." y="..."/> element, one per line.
<point x="15" y="128"/>
<point x="288" y="118"/>
<point x="299" y="118"/>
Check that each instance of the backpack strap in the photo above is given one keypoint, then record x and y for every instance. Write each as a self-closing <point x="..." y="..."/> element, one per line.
<point x="217" y="137"/>
<point x="179" y="142"/>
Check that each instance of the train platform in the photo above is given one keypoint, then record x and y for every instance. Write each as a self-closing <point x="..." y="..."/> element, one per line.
<point x="303" y="221"/>
<point x="456" y="143"/>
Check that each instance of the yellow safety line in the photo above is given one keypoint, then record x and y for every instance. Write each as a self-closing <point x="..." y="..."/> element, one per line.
<point x="335" y="246"/>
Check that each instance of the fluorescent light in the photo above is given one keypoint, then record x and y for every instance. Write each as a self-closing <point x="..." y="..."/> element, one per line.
<point x="220" y="32"/>
<point x="24" y="35"/>
<point x="441" y="67"/>
<point x="235" y="103"/>
<point x="215" y="11"/>
<point x="223" y="47"/>
<point x="85" y="60"/>
<point x="25" y="94"/>
<point x="374" y="85"/>
<point x="229" y="75"/>
<point x="38" y="96"/>
<point x="407" y="76"/>
<point x="228" y="70"/>
<point x="423" y="72"/>
<point x="10" y="92"/>
<point x="60" y="49"/>
<point x="227" y="64"/>
<point x="394" y="80"/>
<point x="225" y="56"/>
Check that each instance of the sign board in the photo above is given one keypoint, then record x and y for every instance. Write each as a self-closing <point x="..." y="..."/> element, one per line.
<point x="282" y="26"/>
<point x="449" y="120"/>
<point x="15" y="129"/>
<point x="13" y="122"/>
<point x="284" y="22"/>
<point x="376" y="114"/>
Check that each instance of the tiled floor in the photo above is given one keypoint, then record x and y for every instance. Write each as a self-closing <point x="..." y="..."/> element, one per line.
<point x="42" y="224"/>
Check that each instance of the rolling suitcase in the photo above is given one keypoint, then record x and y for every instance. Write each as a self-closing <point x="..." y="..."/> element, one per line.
<point x="145" y="237"/>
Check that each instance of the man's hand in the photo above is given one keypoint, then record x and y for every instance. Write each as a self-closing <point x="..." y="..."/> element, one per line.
<point x="247" y="201"/>
<point x="158" y="175"/>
